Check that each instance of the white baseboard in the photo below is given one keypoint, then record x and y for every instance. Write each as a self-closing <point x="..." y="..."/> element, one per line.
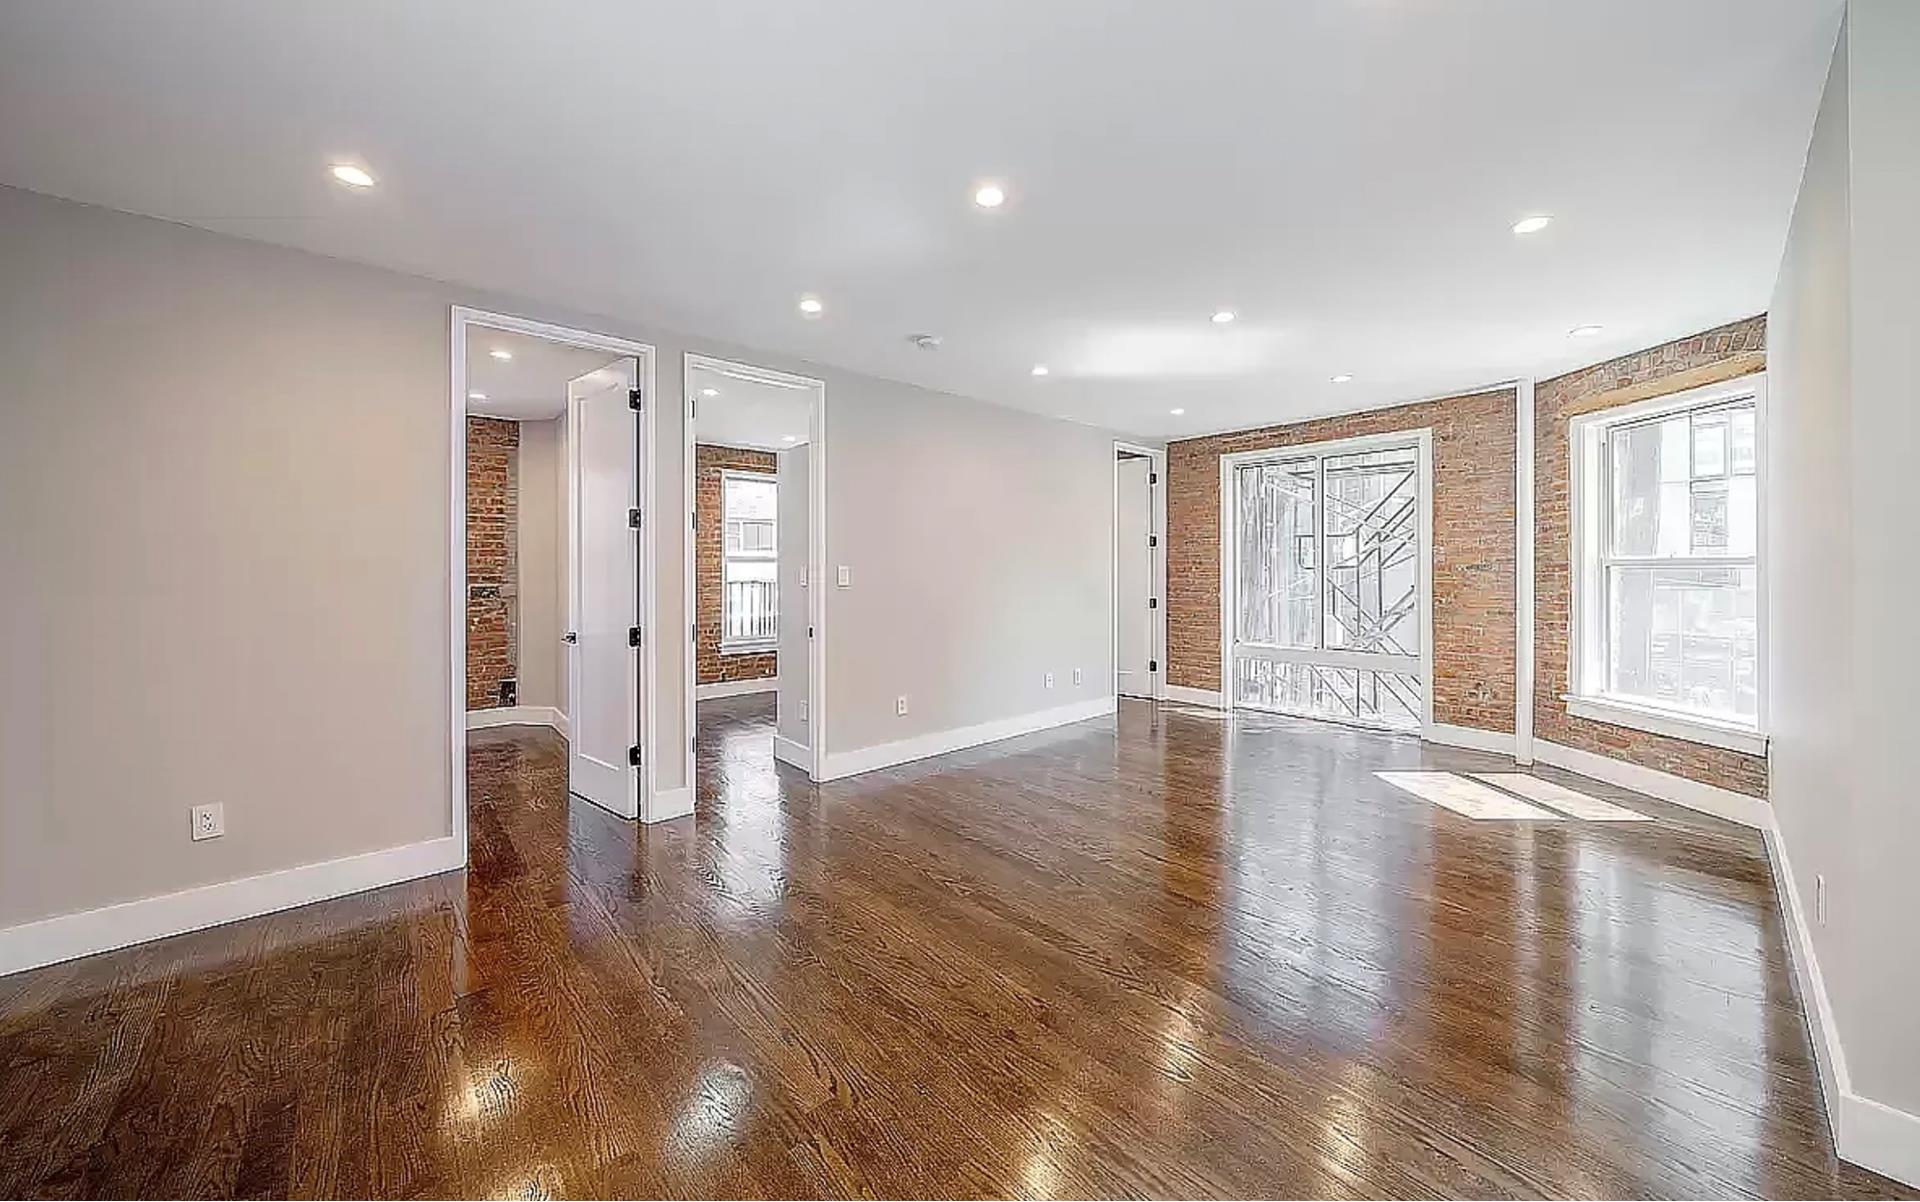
<point x="69" y="936"/>
<point x="787" y="751"/>
<point x="735" y="688"/>
<point x="1879" y="1137"/>
<point x="884" y="755"/>
<point x="1207" y="697"/>
<point x="517" y="715"/>
<point x="1708" y="799"/>
<point x="669" y="804"/>
<point x="1473" y="739"/>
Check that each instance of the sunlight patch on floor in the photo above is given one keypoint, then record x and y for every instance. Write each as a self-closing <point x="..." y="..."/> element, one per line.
<point x="1467" y="798"/>
<point x="1570" y="802"/>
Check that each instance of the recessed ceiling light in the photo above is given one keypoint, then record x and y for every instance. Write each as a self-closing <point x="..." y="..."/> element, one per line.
<point x="501" y="353"/>
<point x="811" y="306"/>
<point x="709" y="392"/>
<point x="1533" y="224"/>
<point x="1176" y="412"/>
<point x="1039" y="369"/>
<point x="789" y="438"/>
<point x="1342" y="378"/>
<point x="476" y="396"/>
<point x="1222" y="316"/>
<point x="1583" y="331"/>
<point x="352" y="176"/>
<point x="989" y="196"/>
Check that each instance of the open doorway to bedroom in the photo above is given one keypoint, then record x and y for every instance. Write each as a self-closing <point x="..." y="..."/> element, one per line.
<point x="550" y="562"/>
<point x="754" y="493"/>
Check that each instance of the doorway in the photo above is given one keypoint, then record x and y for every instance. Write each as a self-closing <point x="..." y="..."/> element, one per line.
<point x="1326" y="580"/>
<point x="756" y="497"/>
<point x="1139" y="571"/>
<point x="549" y="556"/>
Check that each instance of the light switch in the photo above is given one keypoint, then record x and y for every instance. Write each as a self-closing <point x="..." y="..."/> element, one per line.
<point x="846" y="576"/>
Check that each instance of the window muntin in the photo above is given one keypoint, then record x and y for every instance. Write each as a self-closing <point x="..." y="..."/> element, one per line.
<point x="749" y="617"/>
<point x="1672" y="592"/>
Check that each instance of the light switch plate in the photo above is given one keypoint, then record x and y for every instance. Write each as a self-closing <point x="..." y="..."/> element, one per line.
<point x="846" y="576"/>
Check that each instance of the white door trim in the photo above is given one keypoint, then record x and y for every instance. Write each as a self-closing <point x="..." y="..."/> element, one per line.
<point x="1156" y="526"/>
<point x="816" y="542"/>
<point x="462" y="319"/>
<point x="1422" y="438"/>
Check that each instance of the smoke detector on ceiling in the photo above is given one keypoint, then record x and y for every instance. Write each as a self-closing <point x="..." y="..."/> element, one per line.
<point x="926" y="342"/>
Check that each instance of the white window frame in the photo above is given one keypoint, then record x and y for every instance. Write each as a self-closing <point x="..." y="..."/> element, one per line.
<point x="1421" y="440"/>
<point x="1587" y="510"/>
<point x="745" y="646"/>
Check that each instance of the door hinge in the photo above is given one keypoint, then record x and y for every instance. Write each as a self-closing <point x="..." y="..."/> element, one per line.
<point x="1153" y="665"/>
<point x="693" y="409"/>
<point x="1153" y="478"/>
<point x="633" y="636"/>
<point x="1153" y="603"/>
<point x="809" y="632"/>
<point x="1153" y="540"/>
<point x="636" y="399"/>
<point x="634" y="518"/>
<point x="633" y="755"/>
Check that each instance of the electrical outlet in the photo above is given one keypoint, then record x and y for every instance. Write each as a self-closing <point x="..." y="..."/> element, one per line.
<point x="900" y="706"/>
<point x="1820" y="899"/>
<point x="1076" y="676"/>
<point x="209" y="822"/>
<point x="1049" y="680"/>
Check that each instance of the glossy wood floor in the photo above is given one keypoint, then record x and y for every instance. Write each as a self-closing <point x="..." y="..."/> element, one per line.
<point x="1194" y="959"/>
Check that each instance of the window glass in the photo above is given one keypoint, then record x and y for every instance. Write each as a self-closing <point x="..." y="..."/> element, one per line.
<point x="1277" y="587"/>
<point x="749" y="607"/>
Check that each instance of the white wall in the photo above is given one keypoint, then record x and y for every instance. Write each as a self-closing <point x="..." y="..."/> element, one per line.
<point x="231" y="579"/>
<point x="542" y="561"/>
<point x="796" y="667"/>
<point x="979" y="541"/>
<point x="1843" y="429"/>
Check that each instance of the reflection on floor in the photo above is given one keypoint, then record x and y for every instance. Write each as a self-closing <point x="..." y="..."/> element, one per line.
<point x="1147" y="955"/>
<point x="733" y="754"/>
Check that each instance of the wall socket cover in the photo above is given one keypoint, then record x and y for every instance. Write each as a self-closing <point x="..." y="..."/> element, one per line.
<point x="209" y="821"/>
<point x="1049" y="680"/>
<point x="900" y="705"/>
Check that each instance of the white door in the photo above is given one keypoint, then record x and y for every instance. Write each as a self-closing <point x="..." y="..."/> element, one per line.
<point x="604" y="487"/>
<point x="1133" y="579"/>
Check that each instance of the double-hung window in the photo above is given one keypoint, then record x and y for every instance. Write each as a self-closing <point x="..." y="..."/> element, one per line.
<point x="750" y="608"/>
<point x="1667" y="630"/>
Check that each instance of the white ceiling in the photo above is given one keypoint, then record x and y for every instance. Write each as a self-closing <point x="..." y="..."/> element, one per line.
<point x="531" y="386"/>
<point x="748" y="413"/>
<point x="1343" y="173"/>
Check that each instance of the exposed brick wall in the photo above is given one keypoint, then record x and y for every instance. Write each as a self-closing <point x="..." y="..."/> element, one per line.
<point x="1473" y="547"/>
<point x="1723" y="353"/>
<point x="493" y="519"/>
<point x="710" y="666"/>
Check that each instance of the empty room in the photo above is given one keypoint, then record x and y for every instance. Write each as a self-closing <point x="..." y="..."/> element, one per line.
<point x="1052" y="599"/>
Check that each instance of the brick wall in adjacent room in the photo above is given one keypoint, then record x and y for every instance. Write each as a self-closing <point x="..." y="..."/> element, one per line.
<point x="711" y="667"/>
<point x="1736" y="349"/>
<point x="493" y="517"/>
<point x="1473" y="547"/>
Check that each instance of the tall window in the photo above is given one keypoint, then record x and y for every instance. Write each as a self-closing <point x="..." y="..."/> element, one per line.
<point x="750" y="613"/>
<point x="1327" y="582"/>
<point x="1667" y="595"/>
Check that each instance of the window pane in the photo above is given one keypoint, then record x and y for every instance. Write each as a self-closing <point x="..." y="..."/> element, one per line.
<point x="749" y="609"/>
<point x="1685" y="637"/>
<point x="1276" y="588"/>
<point x="1683" y="486"/>
<point x="1385" y="699"/>
<point x="1373" y="553"/>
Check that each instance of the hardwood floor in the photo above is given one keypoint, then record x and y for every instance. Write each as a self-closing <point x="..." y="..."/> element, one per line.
<point x="1198" y="958"/>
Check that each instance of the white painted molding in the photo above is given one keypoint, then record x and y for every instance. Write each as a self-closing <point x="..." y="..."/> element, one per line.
<point x="1523" y="511"/>
<point x="69" y="936"/>
<point x="1879" y="1137"/>
<point x="885" y="755"/>
<point x="790" y="751"/>
<point x="517" y="715"/>
<point x="735" y="688"/>
<point x="669" y="804"/>
<point x="1708" y="799"/>
<point x="1495" y="741"/>
<point x="1207" y="697"/>
<point x="1674" y="726"/>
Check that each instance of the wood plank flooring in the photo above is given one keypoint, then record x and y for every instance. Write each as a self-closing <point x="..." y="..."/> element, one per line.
<point x="1160" y="954"/>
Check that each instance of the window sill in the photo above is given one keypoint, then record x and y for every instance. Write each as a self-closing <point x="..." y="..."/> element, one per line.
<point x="1665" y="722"/>
<point x="766" y="648"/>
